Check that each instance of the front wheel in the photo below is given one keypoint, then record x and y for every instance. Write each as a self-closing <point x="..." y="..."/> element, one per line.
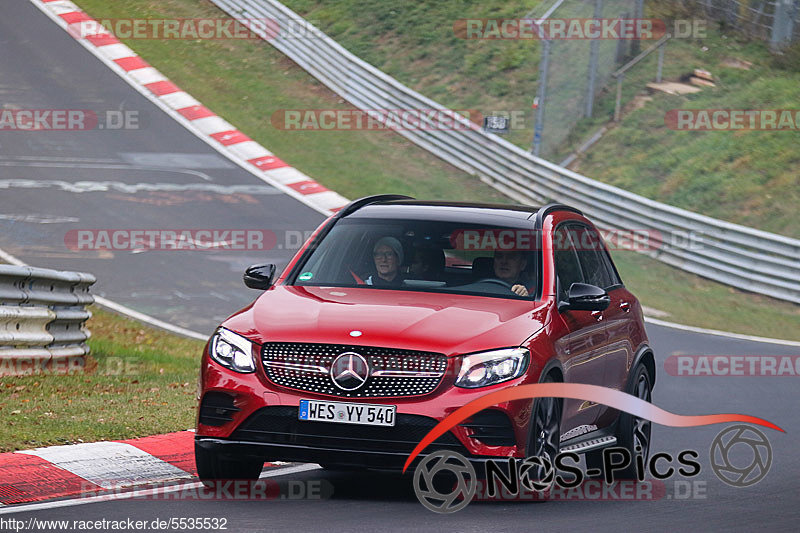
<point x="211" y="467"/>
<point x="545" y="436"/>
<point x="632" y="433"/>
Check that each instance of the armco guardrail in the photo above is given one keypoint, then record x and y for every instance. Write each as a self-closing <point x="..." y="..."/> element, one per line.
<point x="42" y="316"/>
<point x="736" y="255"/>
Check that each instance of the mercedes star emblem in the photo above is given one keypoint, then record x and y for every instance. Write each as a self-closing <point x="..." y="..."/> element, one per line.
<point x="349" y="371"/>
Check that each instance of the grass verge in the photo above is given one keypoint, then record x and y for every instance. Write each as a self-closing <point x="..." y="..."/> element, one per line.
<point x="246" y="81"/>
<point x="138" y="381"/>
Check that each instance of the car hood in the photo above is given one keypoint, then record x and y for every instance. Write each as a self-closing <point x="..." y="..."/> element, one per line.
<point x="451" y="324"/>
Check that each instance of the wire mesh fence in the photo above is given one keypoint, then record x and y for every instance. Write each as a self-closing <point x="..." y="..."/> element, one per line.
<point x="776" y="21"/>
<point x="574" y="71"/>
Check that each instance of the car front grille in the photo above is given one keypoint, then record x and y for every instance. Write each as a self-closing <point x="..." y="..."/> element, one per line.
<point x="392" y="372"/>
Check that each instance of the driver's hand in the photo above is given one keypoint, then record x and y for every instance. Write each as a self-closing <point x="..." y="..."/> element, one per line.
<point x="519" y="290"/>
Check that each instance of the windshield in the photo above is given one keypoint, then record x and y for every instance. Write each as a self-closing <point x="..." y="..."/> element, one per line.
<point x="451" y="257"/>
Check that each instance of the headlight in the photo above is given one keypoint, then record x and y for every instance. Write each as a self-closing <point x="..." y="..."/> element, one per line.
<point x="488" y="368"/>
<point x="232" y="351"/>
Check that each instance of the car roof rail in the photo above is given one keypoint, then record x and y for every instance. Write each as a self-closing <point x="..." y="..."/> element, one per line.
<point x="355" y="205"/>
<point x="549" y="208"/>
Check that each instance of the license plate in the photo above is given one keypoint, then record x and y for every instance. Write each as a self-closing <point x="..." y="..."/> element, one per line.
<point x="347" y="413"/>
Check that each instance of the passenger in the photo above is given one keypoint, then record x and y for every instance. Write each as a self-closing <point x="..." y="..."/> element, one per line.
<point x="427" y="264"/>
<point x="388" y="256"/>
<point x="509" y="267"/>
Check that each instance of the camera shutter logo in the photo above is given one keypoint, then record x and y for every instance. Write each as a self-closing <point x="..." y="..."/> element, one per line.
<point x="724" y="457"/>
<point x="454" y="465"/>
<point x="537" y="473"/>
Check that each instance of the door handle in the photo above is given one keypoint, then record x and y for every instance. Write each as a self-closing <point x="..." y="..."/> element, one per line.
<point x="625" y="306"/>
<point x="598" y="315"/>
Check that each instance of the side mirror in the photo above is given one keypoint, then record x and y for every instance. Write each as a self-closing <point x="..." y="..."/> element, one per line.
<point x="585" y="297"/>
<point x="259" y="276"/>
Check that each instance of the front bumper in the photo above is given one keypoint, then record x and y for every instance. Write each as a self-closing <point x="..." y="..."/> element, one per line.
<point x="262" y="421"/>
<point x="371" y="460"/>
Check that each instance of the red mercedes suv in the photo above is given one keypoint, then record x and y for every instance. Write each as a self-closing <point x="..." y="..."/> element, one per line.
<point x="395" y="313"/>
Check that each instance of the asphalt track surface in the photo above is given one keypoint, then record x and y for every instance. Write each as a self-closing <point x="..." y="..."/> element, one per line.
<point x="42" y="67"/>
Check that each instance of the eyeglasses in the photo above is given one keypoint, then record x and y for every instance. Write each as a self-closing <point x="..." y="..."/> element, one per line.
<point x="384" y="255"/>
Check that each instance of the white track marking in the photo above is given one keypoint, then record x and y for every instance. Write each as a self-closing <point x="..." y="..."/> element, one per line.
<point x="249" y="150"/>
<point x="39" y="219"/>
<point x="62" y="159"/>
<point x="110" y="51"/>
<point x="147" y="319"/>
<point x="287" y="175"/>
<point x="210" y="125"/>
<point x="104" y="166"/>
<point x="146" y="75"/>
<point x="144" y="493"/>
<point x="133" y="188"/>
<point x="179" y="100"/>
<point x="110" y="464"/>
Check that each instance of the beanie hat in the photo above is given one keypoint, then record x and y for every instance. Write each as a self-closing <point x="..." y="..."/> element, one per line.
<point x="392" y="243"/>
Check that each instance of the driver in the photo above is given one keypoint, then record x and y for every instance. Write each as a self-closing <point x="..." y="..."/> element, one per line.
<point x="508" y="266"/>
<point x="388" y="256"/>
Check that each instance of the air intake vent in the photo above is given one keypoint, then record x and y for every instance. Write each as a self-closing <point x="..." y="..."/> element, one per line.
<point x="217" y="409"/>
<point x="491" y="427"/>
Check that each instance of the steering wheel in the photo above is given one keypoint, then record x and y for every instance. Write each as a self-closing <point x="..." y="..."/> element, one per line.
<point x="496" y="281"/>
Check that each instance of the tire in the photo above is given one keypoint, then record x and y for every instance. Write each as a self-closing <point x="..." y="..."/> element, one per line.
<point x="545" y="434"/>
<point x="632" y="433"/>
<point x="211" y="467"/>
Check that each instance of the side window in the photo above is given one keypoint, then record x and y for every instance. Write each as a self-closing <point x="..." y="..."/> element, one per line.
<point x="612" y="272"/>
<point x="568" y="270"/>
<point x="592" y="256"/>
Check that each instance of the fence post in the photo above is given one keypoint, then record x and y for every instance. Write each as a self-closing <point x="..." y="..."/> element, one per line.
<point x="782" y="23"/>
<point x="660" y="61"/>
<point x="620" y="53"/>
<point x="617" y="108"/>
<point x="636" y="45"/>
<point x="593" y="53"/>
<point x="544" y="65"/>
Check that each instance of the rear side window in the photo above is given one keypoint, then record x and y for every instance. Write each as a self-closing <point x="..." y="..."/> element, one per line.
<point x="593" y="257"/>
<point x="568" y="269"/>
